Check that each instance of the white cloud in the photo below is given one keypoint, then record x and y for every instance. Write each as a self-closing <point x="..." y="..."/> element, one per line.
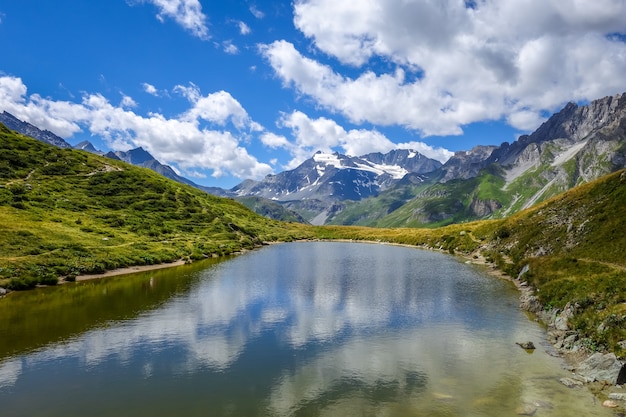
<point x="217" y="108"/>
<point x="256" y="12"/>
<point x="451" y="65"/>
<point x="128" y="101"/>
<point x="230" y="48"/>
<point x="322" y="134"/>
<point x="273" y="140"/>
<point x="150" y="89"/>
<point x="243" y="28"/>
<point x="187" y="13"/>
<point x="179" y="141"/>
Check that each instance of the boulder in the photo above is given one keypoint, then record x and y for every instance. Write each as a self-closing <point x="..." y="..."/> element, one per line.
<point x="562" y="320"/>
<point x="600" y="367"/>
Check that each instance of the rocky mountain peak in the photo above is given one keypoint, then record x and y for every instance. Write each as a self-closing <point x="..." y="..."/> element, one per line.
<point x="27" y="129"/>
<point x="575" y="122"/>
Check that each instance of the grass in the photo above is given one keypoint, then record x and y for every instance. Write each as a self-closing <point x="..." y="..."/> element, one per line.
<point x="67" y="212"/>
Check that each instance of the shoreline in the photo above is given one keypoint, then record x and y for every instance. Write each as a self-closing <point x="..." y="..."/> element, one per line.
<point x="127" y="270"/>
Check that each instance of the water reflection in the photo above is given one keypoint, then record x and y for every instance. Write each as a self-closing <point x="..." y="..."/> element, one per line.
<point x="304" y="329"/>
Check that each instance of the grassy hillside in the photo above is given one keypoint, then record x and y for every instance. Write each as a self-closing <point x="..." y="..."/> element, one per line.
<point x="66" y="212"/>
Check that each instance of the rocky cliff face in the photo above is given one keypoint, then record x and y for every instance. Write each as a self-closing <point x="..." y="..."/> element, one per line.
<point x="574" y="146"/>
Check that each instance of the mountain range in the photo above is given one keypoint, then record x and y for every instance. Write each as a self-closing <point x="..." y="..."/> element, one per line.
<point x="404" y="188"/>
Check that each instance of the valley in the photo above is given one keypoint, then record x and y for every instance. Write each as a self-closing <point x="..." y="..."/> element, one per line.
<point x="547" y="214"/>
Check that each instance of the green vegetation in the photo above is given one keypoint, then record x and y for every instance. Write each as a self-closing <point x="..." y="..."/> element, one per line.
<point x="270" y="209"/>
<point x="452" y="202"/>
<point x="67" y="212"/>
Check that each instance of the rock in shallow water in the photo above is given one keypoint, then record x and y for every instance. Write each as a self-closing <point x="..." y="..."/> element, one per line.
<point x="526" y="345"/>
<point x="571" y="382"/>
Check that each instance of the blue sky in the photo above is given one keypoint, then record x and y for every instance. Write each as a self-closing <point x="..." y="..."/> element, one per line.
<point x="228" y="90"/>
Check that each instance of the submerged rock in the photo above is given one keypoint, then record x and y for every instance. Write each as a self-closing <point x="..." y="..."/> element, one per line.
<point x="571" y="382"/>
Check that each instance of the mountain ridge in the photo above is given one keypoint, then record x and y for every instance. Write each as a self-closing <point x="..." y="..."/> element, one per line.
<point x="574" y="146"/>
<point x="403" y="188"/>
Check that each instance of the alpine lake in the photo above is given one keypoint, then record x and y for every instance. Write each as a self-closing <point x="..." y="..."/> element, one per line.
<point x="298" y="329"/>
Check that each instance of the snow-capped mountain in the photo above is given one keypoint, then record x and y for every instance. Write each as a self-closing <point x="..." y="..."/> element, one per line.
<point x="339" y="177"/>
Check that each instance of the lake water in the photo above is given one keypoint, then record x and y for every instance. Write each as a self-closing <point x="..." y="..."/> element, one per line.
<point x="300" y="329"/>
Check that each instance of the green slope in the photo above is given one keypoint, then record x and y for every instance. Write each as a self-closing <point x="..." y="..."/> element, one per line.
<point x="66" y="212"/>
<point x="455" y="201"/>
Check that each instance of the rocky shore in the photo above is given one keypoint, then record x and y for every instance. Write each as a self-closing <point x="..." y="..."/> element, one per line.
<point x="603" y="373"/>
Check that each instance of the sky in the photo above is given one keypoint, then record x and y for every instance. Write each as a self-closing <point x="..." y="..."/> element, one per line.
<point x="227" y="90"/>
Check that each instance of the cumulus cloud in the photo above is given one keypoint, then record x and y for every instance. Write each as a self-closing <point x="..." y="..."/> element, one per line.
<point x="180" y="141"/>
<point x="219" y="107"/>
<point x="452" y="64"/>
<point x="187" y="13"/>
<point x="322" y="134"/>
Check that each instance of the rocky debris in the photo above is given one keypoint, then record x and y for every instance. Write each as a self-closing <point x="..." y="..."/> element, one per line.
<point x="600" y="367"/>
<point x="619" y="396"/>
<point x="610" y="404"/>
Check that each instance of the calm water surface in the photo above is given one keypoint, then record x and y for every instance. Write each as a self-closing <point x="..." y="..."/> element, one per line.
<point x="303" y="329"/>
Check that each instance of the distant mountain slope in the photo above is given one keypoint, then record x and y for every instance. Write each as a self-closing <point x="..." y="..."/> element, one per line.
<point x="325" y="183"/>
<point x="27" y="129"/>
<point x="574" y="146"/>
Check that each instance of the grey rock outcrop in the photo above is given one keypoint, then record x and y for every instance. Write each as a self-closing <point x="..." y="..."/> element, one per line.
<point x="600" y="367"/>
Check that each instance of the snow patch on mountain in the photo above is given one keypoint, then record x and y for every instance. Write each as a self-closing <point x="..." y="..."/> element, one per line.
<point x="325" y="159"/>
